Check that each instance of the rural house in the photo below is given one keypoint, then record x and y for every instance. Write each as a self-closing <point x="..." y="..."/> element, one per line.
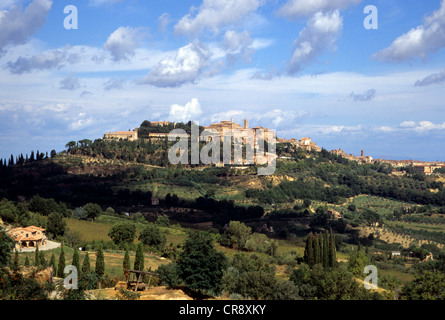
<point x="28" y="237"/>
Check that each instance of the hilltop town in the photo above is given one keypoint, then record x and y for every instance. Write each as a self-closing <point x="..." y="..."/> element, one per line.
<point x="304" y="143"/>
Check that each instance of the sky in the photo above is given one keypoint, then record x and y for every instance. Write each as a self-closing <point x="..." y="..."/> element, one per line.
<point x="72" y="70"/>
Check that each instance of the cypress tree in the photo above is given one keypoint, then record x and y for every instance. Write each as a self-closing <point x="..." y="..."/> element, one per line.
<point x="309" y="251"/>
<point x="332" y="252"/>
<point x="326" y="249"/>
<point x="37" y="256"/>
<point x="42" y="260"/>
<point x="126" y="263"/>
<point x="52" y="263"/>
<point x="16" y="260"/>
<point x="100" y="262"/>
<point x="76" y="260"/>
<point x="27" y="261"/>
<point x="61" y="266"/>
<point x="139" y="259"/>
<point x="86" y="264"/>
<point x="316" y="245"/>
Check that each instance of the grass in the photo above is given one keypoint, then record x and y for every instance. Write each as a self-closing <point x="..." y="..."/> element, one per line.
<point x="89" y="231"/>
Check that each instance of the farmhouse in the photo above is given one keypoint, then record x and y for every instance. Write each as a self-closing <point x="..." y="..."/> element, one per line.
<point x="28" y="237"/>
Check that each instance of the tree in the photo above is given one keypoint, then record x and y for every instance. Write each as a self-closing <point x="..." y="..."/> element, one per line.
<point x="357" y="262"/>
<point x="332" y="250"/>
<point x="200" y="265"/>
<point x="126" y="263"/>
<point x="326" y="249"/>
<point x="238" y="234"/>
<point x="250" y="276"/>
<point x="139" y="258"/>
<point x="70" y="145"/>
<point x="309" y="256"/>
<point x="53" y="153"/>
<point x="42" y="260"/>
<point x="152" y="236"/>
<point x="37" y="256"/>
<point x="61" y="265"/>
<point x="56" y="225"/>
<point x="27" y="261"/>
<point x="317" y="251"/>
<point x="16" y="259"/>
<point x="86" y="264"/>
<point x="123" y="233"/>
<point x="92" y="210"/>
<point x="100" y="263"/>
<point x="428" y="285"/>
<point x="168" y="274"/>
<point x="163" y="221"/>
<point x="52" y="263"/>
<point x="76" y="260"/>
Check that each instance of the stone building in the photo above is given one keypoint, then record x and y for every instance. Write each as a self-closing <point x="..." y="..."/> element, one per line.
<point x="124" y="135"/>
<point x="226" y="127"/>
<point x="307" y="145"/>
<point x="28" y="237"/>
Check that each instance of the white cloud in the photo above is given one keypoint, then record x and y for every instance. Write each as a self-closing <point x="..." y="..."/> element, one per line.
<point x="302" y="8"/>
<point x="164" y="20"/>
<point x="419" y="42"/>
<point x="321" y="33"/>
<point x="57" y="107"/>
<point x="408" y="124"/>
<point x="70" y="83"/>
<point x="17" y="26"/>
<point x="44" y="61"/>
<point x="434" y="78"/>
<point x="215" y="14"/>
<point x="190" y="112"/>
<point x="238" y="45"/>
<point x="122" y="43"/>
<point x="185" y="67"/>
<point x="81" y="123"/>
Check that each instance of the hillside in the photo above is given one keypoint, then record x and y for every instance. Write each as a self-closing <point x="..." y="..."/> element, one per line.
<point x="363" y="204"/>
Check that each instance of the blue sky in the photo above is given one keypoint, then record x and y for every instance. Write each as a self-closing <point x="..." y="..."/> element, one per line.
<point x="303" y="68"/>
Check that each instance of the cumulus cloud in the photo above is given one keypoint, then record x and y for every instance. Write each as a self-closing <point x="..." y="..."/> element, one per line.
<point x="421" y="126"/>
<point x="434" y="78"/>
<point x="320" y="33"/>
<point x="215" y="14"/>
<point x="189" y="112"/>
<point x="44" y="61"/>
<point x="164" y="20"/>
<point x="122" y="43"/>
<point x="70" y="83"/>
<point x="238" y="45"/>
<point x="17" y="25"/>
<point x="366" y="96"/>
<point x="295" y="9"/>
<point x="419" y="42"/>
<point x="185" y="67"/>
<point x="81" y="122"/>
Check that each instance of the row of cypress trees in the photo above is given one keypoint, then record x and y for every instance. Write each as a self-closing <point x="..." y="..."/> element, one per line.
<point x="40" y="261"/>
<point x="320" y="249"/>
<point x="138" y="259"/>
